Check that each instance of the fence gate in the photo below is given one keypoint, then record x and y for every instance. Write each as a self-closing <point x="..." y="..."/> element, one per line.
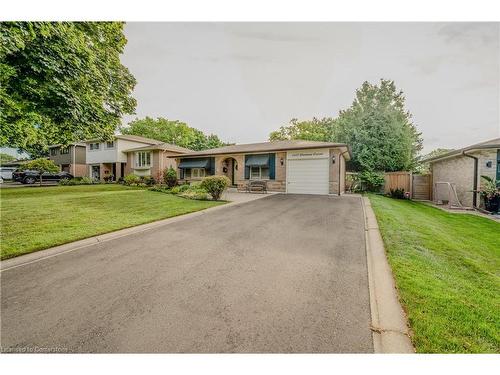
<point x="422" y="187"/>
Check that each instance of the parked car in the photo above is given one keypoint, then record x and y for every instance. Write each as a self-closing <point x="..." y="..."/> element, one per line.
<point x="6" y="172"/>
<point x="30" y="177"/>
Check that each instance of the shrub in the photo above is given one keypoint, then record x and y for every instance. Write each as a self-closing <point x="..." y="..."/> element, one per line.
<point x="132" y="180"/>
<point x="398" y="193"/>
<point x="215" y="185"/>
<point x="170" y="177"/>
<point x="87" y="181"/>
<point x="108" y="179"/>
<point x="148" y="180"/>
<point x="196" y="193"/>
<point x="179" y="189"/>
<point x="161" y="189"/>
<point x="371" y="181"/>
<point x="77" y="181"/>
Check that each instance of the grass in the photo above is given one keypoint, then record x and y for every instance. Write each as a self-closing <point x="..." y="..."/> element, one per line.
<point x="38" y="218"/>
<point x="447" y="271"/>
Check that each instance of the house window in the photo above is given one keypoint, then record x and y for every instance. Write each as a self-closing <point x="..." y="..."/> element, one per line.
<point x="143" y="159"/>
<point x="64" y="150"/>
<point x="110" y="144"/>
<point x="53" y="151"/>
<point x="198" y="172"/>
<point x="259" y="173"/>
<point x="94" y="146"/>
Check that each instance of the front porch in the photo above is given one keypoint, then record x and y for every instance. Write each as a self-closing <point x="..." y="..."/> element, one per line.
<point x="106" y="172"/>
<point x="239" y="168"/>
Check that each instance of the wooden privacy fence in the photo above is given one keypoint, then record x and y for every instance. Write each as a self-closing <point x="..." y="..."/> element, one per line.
<point x="422" y="187"/>
<point x="397" y="180"/>
<point x="419" y="186"/>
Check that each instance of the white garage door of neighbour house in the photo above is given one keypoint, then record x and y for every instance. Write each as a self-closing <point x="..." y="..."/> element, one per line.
<point x="307" y="172"/>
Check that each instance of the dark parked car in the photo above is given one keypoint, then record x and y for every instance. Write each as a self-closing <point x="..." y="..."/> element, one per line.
<point x="30" y="177"/>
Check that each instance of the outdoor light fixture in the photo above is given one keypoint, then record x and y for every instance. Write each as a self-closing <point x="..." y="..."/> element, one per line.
<point x="333" y="159"/>
<point x="282" y="161"/>
<point x="489" y="164"/>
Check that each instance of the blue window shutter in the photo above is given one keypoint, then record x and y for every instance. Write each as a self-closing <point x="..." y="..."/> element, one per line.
<point x="212" y="166"/>
<point x="498" y="165"/>
<point x="272" y="166"/>
<point x="247" y="169"/>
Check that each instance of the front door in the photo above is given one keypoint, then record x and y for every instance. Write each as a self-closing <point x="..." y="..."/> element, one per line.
<point x="96" y="172"/>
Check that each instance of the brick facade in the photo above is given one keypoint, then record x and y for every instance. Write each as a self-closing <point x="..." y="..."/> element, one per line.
<point x="460" y="171"/>
<point x="278" y="184"/>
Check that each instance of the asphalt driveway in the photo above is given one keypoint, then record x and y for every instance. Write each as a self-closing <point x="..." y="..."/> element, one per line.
<point x="286" y="273"/>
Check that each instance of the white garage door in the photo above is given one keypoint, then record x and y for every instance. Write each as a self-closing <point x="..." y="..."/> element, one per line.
<point x="307" y="176"/>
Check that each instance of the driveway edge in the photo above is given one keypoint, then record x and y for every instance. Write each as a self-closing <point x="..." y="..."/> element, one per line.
<point x="86" y="242"/>
<point x="390" y="330"/>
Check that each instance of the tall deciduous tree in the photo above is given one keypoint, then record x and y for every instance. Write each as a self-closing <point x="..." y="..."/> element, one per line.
<point x="61" y="82"/>
<point x="379" y="129"/>
<point x="310" y="130"/>
<point x="172" y="131"/>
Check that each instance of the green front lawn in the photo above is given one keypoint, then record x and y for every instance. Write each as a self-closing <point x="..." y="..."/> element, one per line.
<point x="38" y="218"/>
<point x="447" y="270"/>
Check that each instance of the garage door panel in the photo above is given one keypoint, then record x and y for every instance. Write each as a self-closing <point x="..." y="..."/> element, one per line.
<point x="308" y="176"/>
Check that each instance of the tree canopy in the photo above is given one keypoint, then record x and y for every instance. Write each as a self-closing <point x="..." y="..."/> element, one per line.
<point x="309" y="130"/>
<point x="172" y="131"/>
<point x="61" y="82"/>
<point x="5" y="158"/>
<point x="422" y="166"/>
<point x="379" y="130"/>
<point x="376" y="126"/>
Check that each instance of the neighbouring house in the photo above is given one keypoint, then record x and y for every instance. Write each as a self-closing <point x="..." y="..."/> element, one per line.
<point x="152" y="160"/>
<point x="464" y="168"/>
<point x="69" y="158"/>
<point x="302" y="167"/>
<point x="125" y="154"/>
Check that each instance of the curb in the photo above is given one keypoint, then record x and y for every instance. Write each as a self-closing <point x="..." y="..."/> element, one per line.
<point x="390" y="330"/>
<point x="72" y="246"/>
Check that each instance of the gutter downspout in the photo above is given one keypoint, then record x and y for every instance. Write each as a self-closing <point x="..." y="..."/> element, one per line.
<point x="476" y="160"/>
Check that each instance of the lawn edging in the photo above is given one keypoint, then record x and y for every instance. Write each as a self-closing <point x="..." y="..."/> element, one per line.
<point x="390" y="330"/>
<point x="36" y="256"/>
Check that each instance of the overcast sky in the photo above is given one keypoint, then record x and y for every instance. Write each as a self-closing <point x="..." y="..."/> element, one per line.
<point x="243" y="80"/>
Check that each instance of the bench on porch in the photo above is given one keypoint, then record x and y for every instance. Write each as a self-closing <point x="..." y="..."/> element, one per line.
<point x="256" y="186"/>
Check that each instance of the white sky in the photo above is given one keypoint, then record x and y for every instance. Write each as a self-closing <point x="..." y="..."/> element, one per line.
<point x="243" y="80"/>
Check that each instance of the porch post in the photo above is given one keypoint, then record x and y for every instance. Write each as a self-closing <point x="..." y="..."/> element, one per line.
<point x="101" y="172"/>
<point x="118" y="171"/>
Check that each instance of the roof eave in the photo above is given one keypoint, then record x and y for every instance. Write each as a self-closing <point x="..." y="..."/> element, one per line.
<point x="207" y="154"/>
<point x="460" y="152"/>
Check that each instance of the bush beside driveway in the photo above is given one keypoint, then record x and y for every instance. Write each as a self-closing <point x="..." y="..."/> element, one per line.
<point x="35" y="219"/>
<point x="446" y="269"/>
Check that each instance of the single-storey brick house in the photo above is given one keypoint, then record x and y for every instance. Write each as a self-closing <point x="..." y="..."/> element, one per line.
<point x="302" y="167"/>
<point x="464" y="168"/>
